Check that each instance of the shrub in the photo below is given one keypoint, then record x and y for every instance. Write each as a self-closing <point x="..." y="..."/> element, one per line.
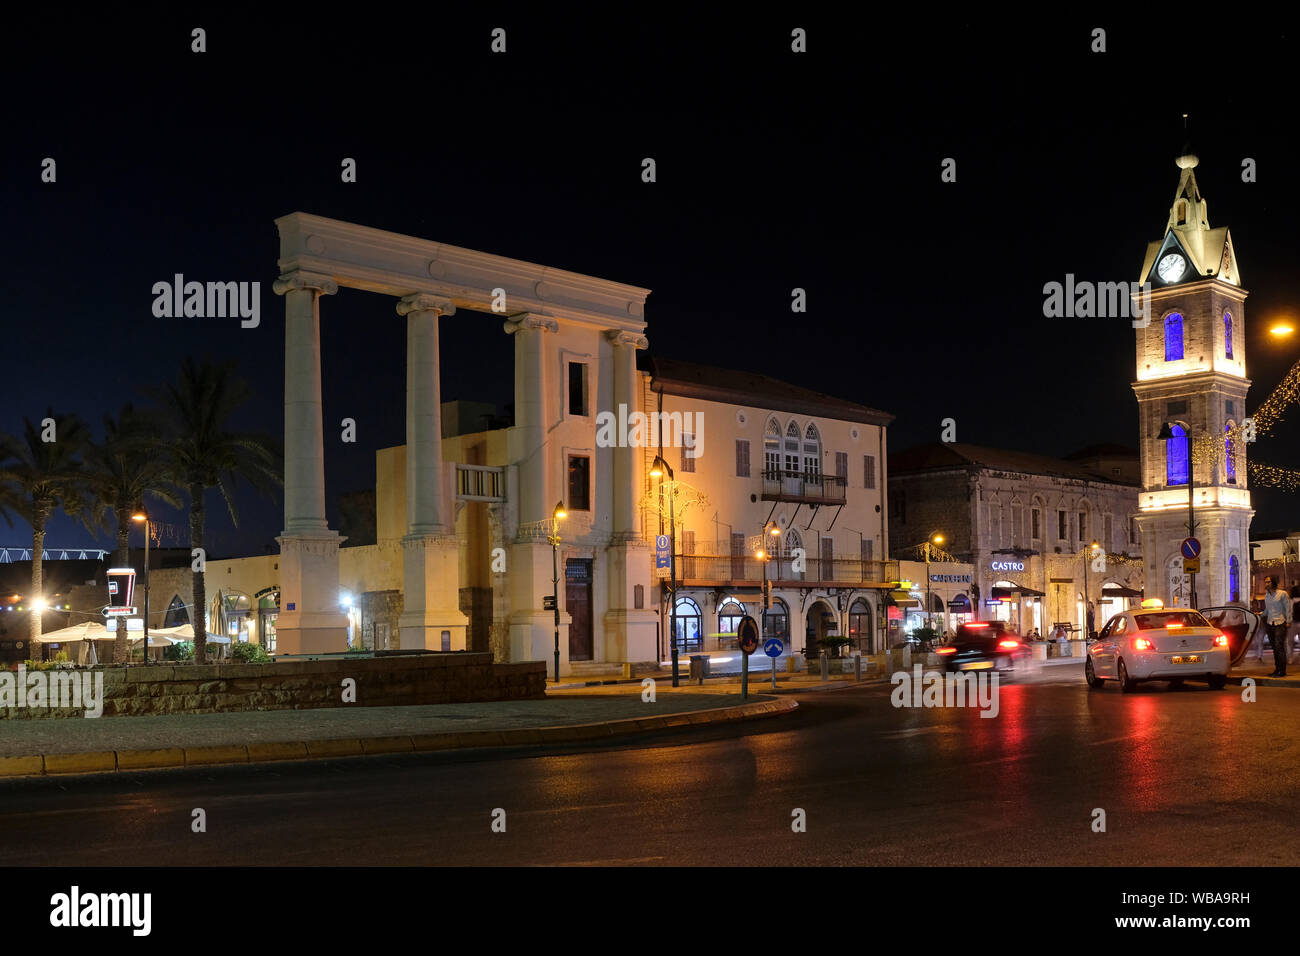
<point x="246" y="653"/>
<point x="182" y="651"/>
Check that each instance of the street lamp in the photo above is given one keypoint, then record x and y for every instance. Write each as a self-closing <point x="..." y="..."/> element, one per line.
<point x="934" y="540"/>
<point x="1091" y="556"/>
<point x="1167" y="434"/>
<point x="763" y="558"/>
<point x="658" y="469"/>
<point x="144" y="517"/>
<point x="556" y="515"/>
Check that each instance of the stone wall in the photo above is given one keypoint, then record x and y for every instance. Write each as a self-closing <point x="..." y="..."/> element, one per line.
<point x="448" y="678"/>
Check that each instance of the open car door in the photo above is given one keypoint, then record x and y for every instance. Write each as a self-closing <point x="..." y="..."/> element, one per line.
<point x="1240" y="624"/>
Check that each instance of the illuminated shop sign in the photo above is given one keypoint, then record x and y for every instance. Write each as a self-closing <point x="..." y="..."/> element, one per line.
<point x="950" y="578"/>
<point x="1007" y="565"/>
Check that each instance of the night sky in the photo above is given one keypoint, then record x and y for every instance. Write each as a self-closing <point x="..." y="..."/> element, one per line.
<point x="775" y="171"/>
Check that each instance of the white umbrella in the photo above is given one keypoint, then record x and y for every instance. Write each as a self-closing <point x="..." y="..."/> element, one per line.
<point x="89" y="631"/>
<point x="185" y="632"/>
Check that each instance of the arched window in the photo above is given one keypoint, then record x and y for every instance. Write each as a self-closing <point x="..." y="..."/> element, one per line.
<point x="812" y="455"/>
<point x="791" y="543"/>
<point x="1177" y="460"/>
<point x="1227" y="334"/>
<point x="1229" y="453"/>
<point x="730" y="612"/>
<point x="177" y="613"/>
<point x="792" y="449"/>
<point x="778" y="621"/>
<point x="772" y="450"/>
<point x="1234" y="579"/>
<point x="1173" y="337"/>
<point x="690" y="625"/>
<point x="860" y="632"/>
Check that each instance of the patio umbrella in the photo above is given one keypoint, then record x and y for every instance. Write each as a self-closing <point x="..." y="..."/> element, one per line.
<point x="89" y="631"/>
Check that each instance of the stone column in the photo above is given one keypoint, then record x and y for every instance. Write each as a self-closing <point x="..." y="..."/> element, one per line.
<point x="431" y="616"/>
<point x="531" y="627"/>
<point x="629" y="631"/>
<point x="310" y="619"/>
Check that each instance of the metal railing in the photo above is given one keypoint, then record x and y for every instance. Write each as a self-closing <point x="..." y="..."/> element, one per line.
<point x="734" y="569"/>
<point x="781" y="485"/>
<point x="480" y="483"/>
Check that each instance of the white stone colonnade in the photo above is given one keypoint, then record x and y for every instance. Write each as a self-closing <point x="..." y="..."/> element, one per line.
<point x="430" y="280"/>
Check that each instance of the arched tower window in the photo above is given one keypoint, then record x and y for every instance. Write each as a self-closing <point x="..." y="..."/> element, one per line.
<point x="1234" y="579"/>
<point x="1173" y="337"/>
<point x="1177" y="459"/>
<point x="1227" y="334"/>
<point x="1229" y="454"/>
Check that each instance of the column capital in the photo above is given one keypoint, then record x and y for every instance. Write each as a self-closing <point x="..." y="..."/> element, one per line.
<point x="424" y="302"/>
<point x="530" y="320"/>
<point x="622" y="337"/>
<point x="298" y="279"/>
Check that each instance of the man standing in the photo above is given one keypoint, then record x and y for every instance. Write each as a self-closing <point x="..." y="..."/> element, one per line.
<point x="1277" y="615"/>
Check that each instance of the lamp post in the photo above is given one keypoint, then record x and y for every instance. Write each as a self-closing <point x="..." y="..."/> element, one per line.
<point x="143" y="516"/>
<point x="1167" y="434"/>
<point x="556" y="515"/>
<point x="934" y="540"/>
<point x="1087" y="597"/>
<point x="658" y="469"/>
<point x="763" y="557"/>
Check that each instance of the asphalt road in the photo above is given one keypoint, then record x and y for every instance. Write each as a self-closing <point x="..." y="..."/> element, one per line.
<point x="1185" y="777"/>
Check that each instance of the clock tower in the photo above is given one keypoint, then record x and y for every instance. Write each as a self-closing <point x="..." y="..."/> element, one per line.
<point x="1191" y="390"/>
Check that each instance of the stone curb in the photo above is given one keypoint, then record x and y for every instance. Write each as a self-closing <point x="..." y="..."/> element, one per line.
<point x="1264" y="681"/>
<point x="105" y="761"/>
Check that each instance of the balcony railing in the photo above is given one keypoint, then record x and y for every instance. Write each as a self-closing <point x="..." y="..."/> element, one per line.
<point x="810" y="487"/>
<point x="480" y="483"/>
<point x="730" y="570"/>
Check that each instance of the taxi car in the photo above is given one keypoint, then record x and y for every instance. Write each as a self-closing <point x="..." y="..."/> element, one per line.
<point x="1158" y="643"/>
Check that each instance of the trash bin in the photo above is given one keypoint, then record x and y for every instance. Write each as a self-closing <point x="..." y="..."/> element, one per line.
<point x="699" y="667"/>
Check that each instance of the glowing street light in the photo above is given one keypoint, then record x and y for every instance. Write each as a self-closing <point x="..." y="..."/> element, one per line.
<point x="143" y="517"/>
<point x="558" y="514"/>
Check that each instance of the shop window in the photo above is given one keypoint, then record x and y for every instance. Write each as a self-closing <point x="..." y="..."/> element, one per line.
<point x="690" y="624"/>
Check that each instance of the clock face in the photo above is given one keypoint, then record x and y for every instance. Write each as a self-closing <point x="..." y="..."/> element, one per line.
<point x="1171" y="267"/>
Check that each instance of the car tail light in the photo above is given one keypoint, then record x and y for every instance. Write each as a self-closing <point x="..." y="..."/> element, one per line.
<point x="1141" y="644"/>
<point x="946" y="650"/>
<point x="1008" y="644"/>
<point x="1220" y="640"/>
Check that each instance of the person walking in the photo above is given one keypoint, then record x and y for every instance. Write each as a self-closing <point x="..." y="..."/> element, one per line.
<point x="1277" y="615"/>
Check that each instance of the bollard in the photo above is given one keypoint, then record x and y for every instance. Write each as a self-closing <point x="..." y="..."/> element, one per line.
<point x="826" y="667"/>
<point x="857" y="667"/>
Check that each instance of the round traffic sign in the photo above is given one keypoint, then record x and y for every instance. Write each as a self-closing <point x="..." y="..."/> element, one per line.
<point x="1191" y="548"/>
<point x="747" y="634"/>
<point x="773" y="647"/>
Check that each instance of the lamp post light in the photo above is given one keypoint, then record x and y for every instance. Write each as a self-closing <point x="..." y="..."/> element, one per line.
<point x="1167" y="434"/>
<point x="933" y="541"/>
<point x="763" y="557"/>
<point x="556" y="515"/>
<point x="658" y="469"/>
<point x="143" y="516"/>
<point x="1087" y="596"/>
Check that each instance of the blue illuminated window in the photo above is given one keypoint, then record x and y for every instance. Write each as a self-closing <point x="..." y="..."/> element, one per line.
<point x="1177" y="458"/>
<point x="1227" y="334"/>
<point x="1234" y="579"/>
<point x="1173" y="337"/>
<point x="1230" y="463"/>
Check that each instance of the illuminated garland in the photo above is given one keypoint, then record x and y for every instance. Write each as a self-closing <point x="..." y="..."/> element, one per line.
<point x="1270" y="476"/>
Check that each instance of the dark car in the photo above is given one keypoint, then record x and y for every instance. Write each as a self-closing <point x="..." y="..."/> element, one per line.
<point x="984" y="645"/>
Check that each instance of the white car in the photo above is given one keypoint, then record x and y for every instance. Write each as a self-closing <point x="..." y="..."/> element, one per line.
<point x="1158" y="643"/>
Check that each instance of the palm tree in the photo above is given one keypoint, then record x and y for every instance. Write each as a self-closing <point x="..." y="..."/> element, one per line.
<point x="201" y="452"/>
<point x="120" y="472"/>
<point x="43" y="471"/>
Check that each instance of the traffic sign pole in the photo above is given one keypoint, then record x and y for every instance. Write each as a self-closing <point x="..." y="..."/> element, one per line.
<point x="744" y="675"/>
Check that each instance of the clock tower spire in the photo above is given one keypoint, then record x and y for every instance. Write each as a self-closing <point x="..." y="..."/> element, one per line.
<point x="1191" y="389"/>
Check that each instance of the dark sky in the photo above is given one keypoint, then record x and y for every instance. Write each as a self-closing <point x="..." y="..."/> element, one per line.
<point x="775" y="170"/>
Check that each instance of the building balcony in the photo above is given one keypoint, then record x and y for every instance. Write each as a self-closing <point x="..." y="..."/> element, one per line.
<point x="746" y="571"/>
<point x="480" y="483"/>
<point x="804" y="487"/>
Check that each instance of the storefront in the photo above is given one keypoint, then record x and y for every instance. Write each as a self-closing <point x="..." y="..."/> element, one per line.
<point x="941" y="595"/>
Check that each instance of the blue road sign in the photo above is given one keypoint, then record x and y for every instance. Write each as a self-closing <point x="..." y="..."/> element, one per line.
<point x="773" y="647"/>
<point x="1191" y="548"/>
<point x="661" y="551"/>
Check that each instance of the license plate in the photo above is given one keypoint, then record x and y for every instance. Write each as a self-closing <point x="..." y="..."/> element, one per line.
<point x="1186" y="659"/>
<point x="975" y="666"/>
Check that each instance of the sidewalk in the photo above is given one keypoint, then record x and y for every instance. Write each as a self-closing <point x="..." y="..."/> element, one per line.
<point x="1259" y="671"/>
<point x="57" y="745"/>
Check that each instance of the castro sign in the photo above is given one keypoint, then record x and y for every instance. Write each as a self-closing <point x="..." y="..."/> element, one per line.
<point x="1007" y="565"/>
